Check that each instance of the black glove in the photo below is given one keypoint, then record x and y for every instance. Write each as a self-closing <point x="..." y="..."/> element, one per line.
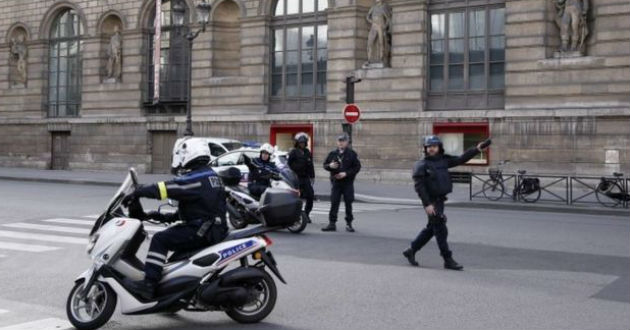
<point x="247" y="161"/>
<point x="129" y="199"/>
<point x="135" y="210"/>
<point x="275" y="176"/>
<point x="157" y="216"/>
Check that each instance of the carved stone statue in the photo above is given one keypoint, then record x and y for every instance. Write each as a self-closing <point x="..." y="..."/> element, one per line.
<point x="380" y="18"/>
<point x="19" y="52"/>
<point x="571" y="19"/>
<point x="114" y="56"/>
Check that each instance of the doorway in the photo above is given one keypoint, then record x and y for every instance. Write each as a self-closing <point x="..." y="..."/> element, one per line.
<point x="162" y="143"/>
<point x="60" y="151"/>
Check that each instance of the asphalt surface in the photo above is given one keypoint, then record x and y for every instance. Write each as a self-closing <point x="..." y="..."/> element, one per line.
<point x="524" y="270"/>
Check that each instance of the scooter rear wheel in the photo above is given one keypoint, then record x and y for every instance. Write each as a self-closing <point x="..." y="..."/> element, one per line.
<point x="262" y="302"/>
<point x="299" y="225"/>
<point x="93" y="311"/>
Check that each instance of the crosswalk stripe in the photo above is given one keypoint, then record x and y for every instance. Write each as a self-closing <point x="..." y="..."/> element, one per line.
<point x="2" y="311"/>
<point x="92" y="216"/>
<point x="43" y="237"/>
<point x="61" y="229"/>
<point x="71" y="221"/>
<point x="26" y="247"/>
<point x="91" y="222"/>
<point x="45" y="324"/>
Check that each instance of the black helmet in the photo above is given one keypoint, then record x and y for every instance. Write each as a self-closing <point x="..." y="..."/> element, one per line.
<point x="301" y="138"/>
<point x="432" y="140"/>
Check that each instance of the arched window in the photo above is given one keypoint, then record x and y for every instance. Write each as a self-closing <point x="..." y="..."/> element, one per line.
<point x="174" y="62"/>
<point x="64" y="65"/>
<point x="299" y="56"/>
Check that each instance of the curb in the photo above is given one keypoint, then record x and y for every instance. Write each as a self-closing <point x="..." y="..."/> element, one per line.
<point x="65" y="181"/>
<point x="362" y="198"/>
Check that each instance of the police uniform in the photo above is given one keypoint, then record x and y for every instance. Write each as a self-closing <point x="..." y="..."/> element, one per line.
<point x="260" y="174"/>
<point x="349" y="163"/>
<point x="432" y="183"/>
<point x="301" y="163"/>
<point x="201" y="198"/>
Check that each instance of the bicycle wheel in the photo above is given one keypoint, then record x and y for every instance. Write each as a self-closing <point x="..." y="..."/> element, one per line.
<point x="608" y="193"/>
<point x="531" y="197"/>
<point x="493" y="189"/>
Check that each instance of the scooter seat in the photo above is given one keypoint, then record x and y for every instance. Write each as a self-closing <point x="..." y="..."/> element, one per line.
<point x="249" y="232"/>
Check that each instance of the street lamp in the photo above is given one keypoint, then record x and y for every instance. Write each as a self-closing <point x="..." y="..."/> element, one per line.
<point x="203" y="15"/>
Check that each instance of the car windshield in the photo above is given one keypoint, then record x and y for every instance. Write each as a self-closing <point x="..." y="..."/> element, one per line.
<point x="232" y="145"/>
<point x="229" y="159"/>
<point x="125" y="188"/>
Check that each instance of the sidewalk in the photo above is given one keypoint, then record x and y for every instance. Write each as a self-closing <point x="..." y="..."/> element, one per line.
<point x="367" y="192"/>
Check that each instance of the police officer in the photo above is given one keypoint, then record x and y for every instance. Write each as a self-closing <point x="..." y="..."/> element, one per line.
<point x="201" y="198"/>
<point x="301" y="163"/>
<point x="433" y="183"/>
<point x="343" y="165"/>
<point x="261" y="171"/>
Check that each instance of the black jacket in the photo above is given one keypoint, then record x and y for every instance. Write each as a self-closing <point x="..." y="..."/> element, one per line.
<point x="431" y="178"/>
<point x="261" y="172"/>
<point x="200" y="194"/>
<point x="348" y="162"/>
<point x="301" y="163"/>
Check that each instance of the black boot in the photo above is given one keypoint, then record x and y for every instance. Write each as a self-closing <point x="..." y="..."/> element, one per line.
<point x="450" y="263"/>
<point x="331" y="227"/>
<point x="349" y="228"/>
<point x="144" y="288"/>
<point x="411" y="257"/>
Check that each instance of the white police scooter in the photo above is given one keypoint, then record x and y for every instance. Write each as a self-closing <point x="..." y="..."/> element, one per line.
<point x="243" y="209"/>
<point x="215" y="278"/>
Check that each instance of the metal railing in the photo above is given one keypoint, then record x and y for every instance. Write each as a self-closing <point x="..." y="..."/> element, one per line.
<point x="568" y="190"/>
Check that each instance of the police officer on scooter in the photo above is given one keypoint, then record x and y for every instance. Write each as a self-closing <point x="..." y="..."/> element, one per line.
<point x="261" y="171"/>
<point x="432" y="183"/>
<point x="201" y="209"/>
<point x="301" y="163"/>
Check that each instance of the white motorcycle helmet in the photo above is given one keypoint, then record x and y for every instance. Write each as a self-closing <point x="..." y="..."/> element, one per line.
<point x="267" y="148"/>
<point x="189" y="151"/>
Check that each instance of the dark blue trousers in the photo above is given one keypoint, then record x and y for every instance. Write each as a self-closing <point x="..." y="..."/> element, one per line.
<point x="182" y="237"/>
<point x="436" y="226"/>
<point x="339" y="189"/>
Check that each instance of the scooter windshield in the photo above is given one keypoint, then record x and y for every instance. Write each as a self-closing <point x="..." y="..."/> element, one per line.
<point x="113" y="207"/>
<point x="287" y="174"/>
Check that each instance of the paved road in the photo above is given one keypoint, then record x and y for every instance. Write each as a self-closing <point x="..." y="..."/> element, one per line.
<point x="530" y="270"/>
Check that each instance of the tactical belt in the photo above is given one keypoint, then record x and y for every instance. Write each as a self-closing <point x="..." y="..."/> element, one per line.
<point x="203" y="230"/>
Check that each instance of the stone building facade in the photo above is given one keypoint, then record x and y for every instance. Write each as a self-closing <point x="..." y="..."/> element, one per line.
<point x="265" y="69"/>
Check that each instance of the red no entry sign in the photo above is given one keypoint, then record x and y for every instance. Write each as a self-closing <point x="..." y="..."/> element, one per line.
<point x="351" y="113"/>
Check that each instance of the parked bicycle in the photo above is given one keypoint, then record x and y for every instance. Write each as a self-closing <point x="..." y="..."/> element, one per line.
<point x="526" y="189"/>
<point x="493" y="188"/>
<point x="611" y="192"/>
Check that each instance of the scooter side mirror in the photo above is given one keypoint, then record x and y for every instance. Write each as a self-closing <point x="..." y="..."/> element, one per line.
<point x="173" y="203"/>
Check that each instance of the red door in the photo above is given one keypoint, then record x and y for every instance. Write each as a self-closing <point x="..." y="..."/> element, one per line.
<point x="281" y="135"/>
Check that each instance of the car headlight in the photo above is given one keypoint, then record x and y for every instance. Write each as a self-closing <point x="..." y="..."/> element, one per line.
<point x="91" y="243"/>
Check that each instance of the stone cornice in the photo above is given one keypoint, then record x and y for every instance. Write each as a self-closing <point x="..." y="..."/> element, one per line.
<point x="332" y="116"/>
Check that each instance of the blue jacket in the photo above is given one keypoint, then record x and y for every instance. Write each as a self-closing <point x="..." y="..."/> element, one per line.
<point x="200" y="194"/>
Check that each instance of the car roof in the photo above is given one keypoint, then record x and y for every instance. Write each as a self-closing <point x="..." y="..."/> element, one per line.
<point x="277" y="153"/>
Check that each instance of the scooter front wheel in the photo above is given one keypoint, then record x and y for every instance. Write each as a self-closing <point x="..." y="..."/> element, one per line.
<point x="94" y="310"/>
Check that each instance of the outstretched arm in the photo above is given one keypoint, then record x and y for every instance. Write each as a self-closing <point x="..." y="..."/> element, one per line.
<point x="463" y="158"/>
